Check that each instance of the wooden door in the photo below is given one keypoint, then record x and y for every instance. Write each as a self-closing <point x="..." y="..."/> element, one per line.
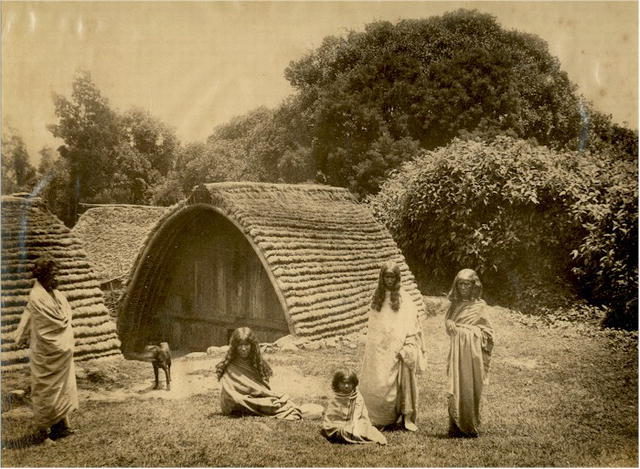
<point x="220" y="285"/>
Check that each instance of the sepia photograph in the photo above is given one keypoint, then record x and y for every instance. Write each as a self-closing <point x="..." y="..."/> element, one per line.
<point x="319" y="234"/>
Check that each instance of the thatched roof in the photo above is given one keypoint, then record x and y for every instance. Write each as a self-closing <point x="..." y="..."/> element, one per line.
<point x="321" y="247"/>
<point x="112" y="235"/>
<point x="28" y="231"/>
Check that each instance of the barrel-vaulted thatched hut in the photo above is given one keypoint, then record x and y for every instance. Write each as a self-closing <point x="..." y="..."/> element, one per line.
<point x="112" y="235"/>
<point x="282" y="259"/>
<point x="28" y="231"/>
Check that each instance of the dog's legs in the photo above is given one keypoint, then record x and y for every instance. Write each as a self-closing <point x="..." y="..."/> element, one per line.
<point x="155" y="373"/>
<point x="167" y="376"/>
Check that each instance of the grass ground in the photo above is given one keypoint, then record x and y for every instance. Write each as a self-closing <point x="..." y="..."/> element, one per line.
<point x="557" y="397"/>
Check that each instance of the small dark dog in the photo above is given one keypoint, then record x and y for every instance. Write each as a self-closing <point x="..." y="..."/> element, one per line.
<point x="160" y="357"/>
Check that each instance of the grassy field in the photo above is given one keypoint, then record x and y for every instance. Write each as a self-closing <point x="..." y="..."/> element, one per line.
<point x="558" y="396"/>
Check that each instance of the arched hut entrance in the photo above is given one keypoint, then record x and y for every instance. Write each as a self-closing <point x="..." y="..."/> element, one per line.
<point x="200" y="279"/>
<point x="298" y="259"/>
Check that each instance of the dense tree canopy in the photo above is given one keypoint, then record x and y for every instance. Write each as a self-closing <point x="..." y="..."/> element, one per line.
<point x="144" y="155"/>
<point x="90" y="131"/>
<point x="420" y="83"/>
<point x="89" y="128"/>
<point x="53" y="182"/>
<point x="258" y="146"/>
<point x="109" y="157"/>
<point x="17" y="172"/>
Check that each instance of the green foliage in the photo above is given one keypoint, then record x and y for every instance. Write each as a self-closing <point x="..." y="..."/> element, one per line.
<point x="257" y="146"/>
<point x="168" y="191"/>
<point x="607" y="258"/>
<point x="110" y="157"/>
<point x="369" y="101"/>
<point x="217" y="161"/>
<point x="540" y="227"/>
<point x="90" y="130"/>
<point x="53" y="182"/>
<point x="424" y="82"/>
<point x="18" y="175"/>
<point x="600" y="135"/>
<point x="151" y="138"/>
<point x="144" y="156"/>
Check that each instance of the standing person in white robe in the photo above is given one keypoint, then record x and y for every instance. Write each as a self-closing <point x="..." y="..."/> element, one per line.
<point x="393" y="354"/>
<point x="46" y="325"/>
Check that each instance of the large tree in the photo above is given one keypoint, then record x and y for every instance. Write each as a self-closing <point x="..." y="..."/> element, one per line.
<point x="110" y="157"/>
<point x="420" y="83"/>
<point x="17" y="172"/>
<point x="150" y="137"/>
<point x="144" y="155"/>
<point x="53" y="182"/>
<point x="262" y="145"/>
<point x="91" y="133"/>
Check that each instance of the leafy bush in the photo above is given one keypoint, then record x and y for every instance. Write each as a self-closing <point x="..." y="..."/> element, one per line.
<point x="541" y="228"/>
<point x="606" y="260"/>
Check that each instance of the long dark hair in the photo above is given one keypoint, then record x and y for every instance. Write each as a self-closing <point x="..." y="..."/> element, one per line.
<point x="378" y="295"/>
<point x="245" y="334"/>
<point x="476" y="289"/>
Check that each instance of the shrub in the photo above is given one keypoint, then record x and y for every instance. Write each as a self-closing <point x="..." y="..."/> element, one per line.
<point x="533" y="222"/>
<point x="606" y="261"/>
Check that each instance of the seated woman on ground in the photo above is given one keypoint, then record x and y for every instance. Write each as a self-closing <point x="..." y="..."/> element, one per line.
<point x="346" y="420"/>
<point x="244" y="378"/>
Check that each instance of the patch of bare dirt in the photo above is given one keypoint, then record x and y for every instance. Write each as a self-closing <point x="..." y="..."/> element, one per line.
<point x="196" y="376"/>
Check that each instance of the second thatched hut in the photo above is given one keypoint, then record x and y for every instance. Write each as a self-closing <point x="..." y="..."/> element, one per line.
<point x="29" y="230"/>
<point x="112" y="235"/>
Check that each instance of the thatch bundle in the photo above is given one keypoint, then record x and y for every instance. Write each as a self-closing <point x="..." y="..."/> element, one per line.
<point x="29" y="231"/>
<point x="112" y="235"/>
<point x="323" y="249"/>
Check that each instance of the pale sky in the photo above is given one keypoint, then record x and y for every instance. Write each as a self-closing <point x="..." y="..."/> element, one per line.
<point x="196" y="65"/>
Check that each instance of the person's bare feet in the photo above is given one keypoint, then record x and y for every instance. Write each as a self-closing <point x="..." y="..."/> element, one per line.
<point x="412" y="427"/>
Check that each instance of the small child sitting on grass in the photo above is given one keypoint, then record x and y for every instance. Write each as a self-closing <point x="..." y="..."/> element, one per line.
<point x="244" y="379"/>
<point x="345" y="420"/>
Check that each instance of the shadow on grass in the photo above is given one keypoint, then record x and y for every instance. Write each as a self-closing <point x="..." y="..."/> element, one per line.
<point x="457" y="436"/>
<point x="206" y="372"/>
<point x="442" y="436"/>
<point x="24" y="441"/>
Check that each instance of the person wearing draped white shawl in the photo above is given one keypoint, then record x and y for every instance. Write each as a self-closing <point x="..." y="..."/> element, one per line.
<point x="46" y="325"/>
<point x="345" y="419"/>
<point x="394" y="353"/>
<point x="470" y="347"/>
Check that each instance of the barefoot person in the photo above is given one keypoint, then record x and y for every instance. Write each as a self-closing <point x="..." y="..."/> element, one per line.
<point x="393" y="353"/>
<point x="244" y="378"/>
<point x="46" y="323"/>
<point x="471" y="342"/>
